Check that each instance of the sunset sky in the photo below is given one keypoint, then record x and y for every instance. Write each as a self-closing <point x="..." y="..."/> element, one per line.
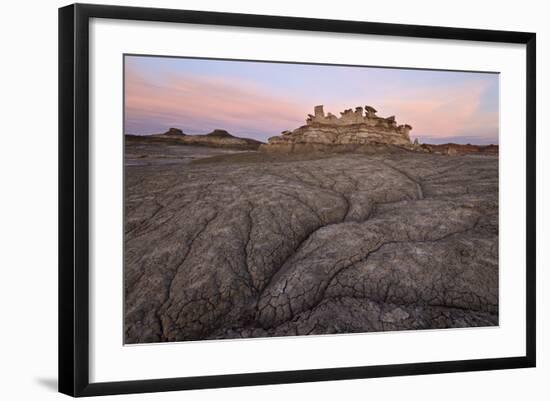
<point x="259" y="100"/>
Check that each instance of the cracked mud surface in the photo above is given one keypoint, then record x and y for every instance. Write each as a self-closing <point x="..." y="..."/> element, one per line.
<point x="255" y="245"/>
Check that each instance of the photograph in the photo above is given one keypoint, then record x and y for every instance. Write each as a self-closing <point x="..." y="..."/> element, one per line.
<point x="270" y="201"/>
<point x="277" y="198"/>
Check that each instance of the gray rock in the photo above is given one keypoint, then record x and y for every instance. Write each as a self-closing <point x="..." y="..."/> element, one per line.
<point x="250" y="246"/>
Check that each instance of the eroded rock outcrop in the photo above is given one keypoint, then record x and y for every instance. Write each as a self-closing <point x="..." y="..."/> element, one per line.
<point x="354" y="128"/>
<point x="174" y="132"/>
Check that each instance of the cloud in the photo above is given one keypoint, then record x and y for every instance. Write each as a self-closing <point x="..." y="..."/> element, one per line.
<point x="447" y="111"/>
<point x="198" y="104"/>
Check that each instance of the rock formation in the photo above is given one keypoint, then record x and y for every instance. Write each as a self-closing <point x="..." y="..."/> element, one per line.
<point x="353" y="128"/>
<point x="220" y="133"/>
<point x="173" y="132"/>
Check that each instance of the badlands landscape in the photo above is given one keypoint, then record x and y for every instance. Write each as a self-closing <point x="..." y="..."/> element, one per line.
<point x="343" y="225"/>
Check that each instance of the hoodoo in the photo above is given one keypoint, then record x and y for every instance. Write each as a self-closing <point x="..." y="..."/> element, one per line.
<point x="354" y="128"/>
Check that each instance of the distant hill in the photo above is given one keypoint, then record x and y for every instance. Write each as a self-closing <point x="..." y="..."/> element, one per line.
<point x="220" y="133"/>
<point x="218" y="139"/>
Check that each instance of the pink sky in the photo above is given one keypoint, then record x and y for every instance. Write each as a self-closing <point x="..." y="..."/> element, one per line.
<point x="259" y="100"/>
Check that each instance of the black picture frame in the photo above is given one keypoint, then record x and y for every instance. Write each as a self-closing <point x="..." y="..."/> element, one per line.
<point x="74" y="198"/>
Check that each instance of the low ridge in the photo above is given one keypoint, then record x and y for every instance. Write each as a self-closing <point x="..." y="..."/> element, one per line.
<point x="218" y="138"/>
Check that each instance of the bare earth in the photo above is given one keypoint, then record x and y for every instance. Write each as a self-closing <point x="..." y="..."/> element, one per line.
<point x="254" y="245"/>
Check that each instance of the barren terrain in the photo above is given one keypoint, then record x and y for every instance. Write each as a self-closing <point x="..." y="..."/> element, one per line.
<point x="252" y="244"/>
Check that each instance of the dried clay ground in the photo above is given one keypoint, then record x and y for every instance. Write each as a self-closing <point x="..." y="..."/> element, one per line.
<point x="252" y="244"/>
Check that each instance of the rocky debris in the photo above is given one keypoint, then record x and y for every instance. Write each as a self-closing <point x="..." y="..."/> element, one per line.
<point x="456" y="149"/>
<point x="338" y="244"/>
<point x="217" y="138"/>
<point x="359" y="127"/>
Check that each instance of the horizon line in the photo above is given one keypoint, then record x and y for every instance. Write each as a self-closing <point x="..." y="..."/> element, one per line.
<point x="442" y="140"/>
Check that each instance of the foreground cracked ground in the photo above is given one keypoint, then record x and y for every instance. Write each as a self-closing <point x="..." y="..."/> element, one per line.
<point x="252" y="246"/>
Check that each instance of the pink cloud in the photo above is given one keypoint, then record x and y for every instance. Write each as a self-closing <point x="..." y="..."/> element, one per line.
<point x="197" y="101"/>
<point x="443" y="111"/>
<point x="198" y="104"/>
<point x="433" y="112"/>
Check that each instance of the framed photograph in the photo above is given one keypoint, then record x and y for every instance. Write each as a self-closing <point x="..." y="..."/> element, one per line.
<point x="251" y="199"/>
